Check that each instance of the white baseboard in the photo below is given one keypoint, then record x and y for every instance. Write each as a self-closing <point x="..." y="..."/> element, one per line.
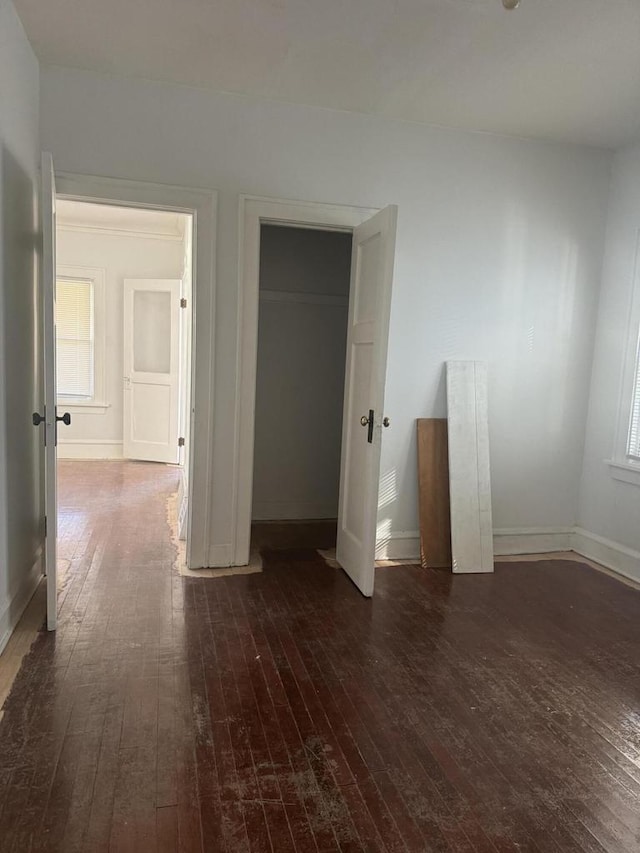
<point x="15" y="607"/>
<point x="531" y="540"/>
<point x="527" y="540"/>
<point x="509" y="541"/>
<point x="89" y="448"/>
<point x="399" y="546"/>
<point x="620" y="559"/>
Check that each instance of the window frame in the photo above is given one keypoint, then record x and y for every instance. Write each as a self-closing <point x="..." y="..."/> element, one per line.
<point x="621" y="465"/>
<point x="97" y="276"/>
<point x="634" y="409"/>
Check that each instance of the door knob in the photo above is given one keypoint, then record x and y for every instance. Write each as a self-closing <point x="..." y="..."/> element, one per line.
<point x="66" y="419"/>
<point x="37" y="419"/>
<point x="386" y="422"/>
<point x="368" y="421"/>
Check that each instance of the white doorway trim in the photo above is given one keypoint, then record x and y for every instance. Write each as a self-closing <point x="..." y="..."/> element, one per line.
<point x="253" y="212"/>
<point x="202" y="205"/>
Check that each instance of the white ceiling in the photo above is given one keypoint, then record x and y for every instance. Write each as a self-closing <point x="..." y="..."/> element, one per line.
<point x="555" y="69"/>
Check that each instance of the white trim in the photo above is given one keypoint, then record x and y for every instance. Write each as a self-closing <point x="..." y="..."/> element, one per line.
<point x="405" y="546"/>
<point x="83" y="407"/>
<point x="620" y="559"/>
<point x="119" y="232"/>
<point x="531" y="540"/>
<point x="252" y="212"/>
<point x="626" y="472"/>
<point x="15" y="607"/>
<point x="201" y="204"/>
<point x="90" y="448"/>
<point x="399" y="546"/>
<point x="506" y="541"/>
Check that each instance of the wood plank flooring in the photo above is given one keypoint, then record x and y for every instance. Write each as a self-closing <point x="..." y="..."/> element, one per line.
<point x="283" y="712"/>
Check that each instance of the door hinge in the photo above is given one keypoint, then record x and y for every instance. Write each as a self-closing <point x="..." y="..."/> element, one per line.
<point x="45" y="527"/>
<point x="181" y="442"/>
<point x="183" y="302"/>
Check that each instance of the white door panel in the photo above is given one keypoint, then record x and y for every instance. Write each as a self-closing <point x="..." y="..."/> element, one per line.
<point x="368" y="331"/>
<point x="151" y="369"/>
<point x="48" y="295"/>
<point x="146" y="426"/>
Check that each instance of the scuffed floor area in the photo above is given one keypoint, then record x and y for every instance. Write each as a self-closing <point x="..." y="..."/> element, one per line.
<point x="281" y="711"/>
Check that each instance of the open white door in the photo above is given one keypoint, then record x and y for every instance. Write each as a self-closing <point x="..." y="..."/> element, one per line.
<point x="369" y="307"/>
<point x="48" y="206"/>
<point x="151" y="369"/>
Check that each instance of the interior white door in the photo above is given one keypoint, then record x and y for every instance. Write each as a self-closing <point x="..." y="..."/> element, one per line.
<point x="48" y="295"/>
<point x="368" y="331"/>
<point x="151" y="369"/>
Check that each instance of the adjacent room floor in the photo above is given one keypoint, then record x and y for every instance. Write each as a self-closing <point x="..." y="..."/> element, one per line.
<point x="282" y="711"/>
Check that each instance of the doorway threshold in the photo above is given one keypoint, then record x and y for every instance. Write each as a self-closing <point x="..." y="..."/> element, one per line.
<point x="254" y="565"/>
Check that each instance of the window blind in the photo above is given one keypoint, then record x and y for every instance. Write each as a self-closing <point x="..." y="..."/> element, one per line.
<point x="74" y="338"/>
<point x="633" y="449"/>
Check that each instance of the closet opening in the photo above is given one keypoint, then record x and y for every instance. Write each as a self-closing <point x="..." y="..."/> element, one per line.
<point x="304" y="279"/>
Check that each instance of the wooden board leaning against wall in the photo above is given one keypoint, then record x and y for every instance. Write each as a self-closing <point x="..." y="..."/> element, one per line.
<point x="433" y="490"/>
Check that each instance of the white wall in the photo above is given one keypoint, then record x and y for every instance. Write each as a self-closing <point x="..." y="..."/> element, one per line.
<point x="129" y="255"/>
<point x="300" y="375"/>
<point x="21" y="509"/>
<point x="609" y="512"/>
<point x="499" y="253"/>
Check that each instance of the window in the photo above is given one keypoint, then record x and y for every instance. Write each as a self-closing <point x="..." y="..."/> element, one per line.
<point x="633" y="444"/>
<point x="75" y="342"/>
<point x="624" y="464"/>
<point x="80" y="338"/>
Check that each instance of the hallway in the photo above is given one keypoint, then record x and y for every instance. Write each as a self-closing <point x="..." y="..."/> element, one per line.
<point x="282" y="711"/>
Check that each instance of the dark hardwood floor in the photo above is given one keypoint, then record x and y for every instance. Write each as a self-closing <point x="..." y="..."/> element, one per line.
<point x="287" y="535"/>
<point x="284" y="712"/>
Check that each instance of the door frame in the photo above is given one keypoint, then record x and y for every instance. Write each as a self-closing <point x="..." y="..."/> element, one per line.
<point x="255" y="211"/>
<point x="201" y="204"/>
